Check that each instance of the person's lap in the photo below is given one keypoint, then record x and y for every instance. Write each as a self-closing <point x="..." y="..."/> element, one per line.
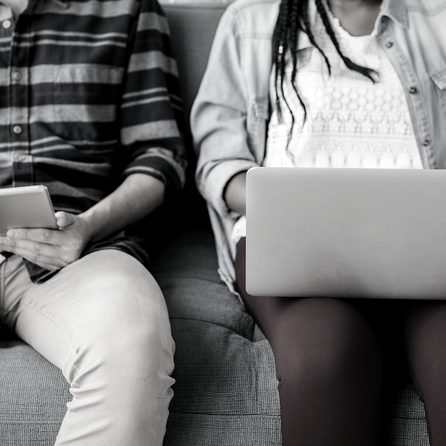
<point x="103" y="321"/>
<point x="393" y="339"/>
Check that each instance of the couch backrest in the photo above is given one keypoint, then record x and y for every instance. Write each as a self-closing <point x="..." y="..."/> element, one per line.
<point x="192" y="26"/>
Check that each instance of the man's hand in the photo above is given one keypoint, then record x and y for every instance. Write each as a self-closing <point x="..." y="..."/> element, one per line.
<point x="135" y="198"/>
<point x="50" y="249"/>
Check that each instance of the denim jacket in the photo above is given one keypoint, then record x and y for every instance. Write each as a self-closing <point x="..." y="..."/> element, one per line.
<point x="231" y="112"/>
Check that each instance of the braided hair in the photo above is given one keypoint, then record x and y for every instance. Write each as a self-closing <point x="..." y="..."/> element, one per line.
<point x="292" y="19"/>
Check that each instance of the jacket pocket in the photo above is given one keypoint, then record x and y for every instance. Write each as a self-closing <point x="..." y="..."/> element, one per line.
<point x="439" y="80"/>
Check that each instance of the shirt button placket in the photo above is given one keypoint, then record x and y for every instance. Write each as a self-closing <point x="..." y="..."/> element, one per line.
<point x="16" y="75"/>
<point x="412" y="92"/>
<point x="17" y="129"/>
<point x="20" y="114"/>
<point x="20" y="157"/>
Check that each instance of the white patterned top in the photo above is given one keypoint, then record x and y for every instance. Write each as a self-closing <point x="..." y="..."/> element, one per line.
<point x="351" y="122"/>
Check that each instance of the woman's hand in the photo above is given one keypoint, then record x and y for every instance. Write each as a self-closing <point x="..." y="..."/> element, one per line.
<point x="48" y="248"/>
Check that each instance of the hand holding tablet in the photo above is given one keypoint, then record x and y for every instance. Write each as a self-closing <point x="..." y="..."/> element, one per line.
<point x="30" y="229"/>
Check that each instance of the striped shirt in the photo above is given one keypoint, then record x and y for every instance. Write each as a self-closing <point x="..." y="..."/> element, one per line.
<point x="88" y="95"/>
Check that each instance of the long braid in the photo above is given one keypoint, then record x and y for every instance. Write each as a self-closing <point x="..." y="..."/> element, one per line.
<point x="280" y="46"/>
<point x="293" y="18"/>
<point x="294" y="32"/>
<point x="286" y="36"/>
<point x="309" y="32"/>
<point x="367" y="72"/>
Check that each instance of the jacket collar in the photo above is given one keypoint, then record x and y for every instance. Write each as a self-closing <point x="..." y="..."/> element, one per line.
<point x="396" y="10"/>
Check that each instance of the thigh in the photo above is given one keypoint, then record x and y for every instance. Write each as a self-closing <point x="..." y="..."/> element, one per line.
<point x="304" y="326"/>
<point x="386" y="317"/>
<point x="425" y="343"/>
<point x="88" y="302"/>
<point x="328" y="364"/>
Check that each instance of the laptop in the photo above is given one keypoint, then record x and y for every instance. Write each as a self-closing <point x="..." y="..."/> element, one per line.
<point x="374" y="233"/>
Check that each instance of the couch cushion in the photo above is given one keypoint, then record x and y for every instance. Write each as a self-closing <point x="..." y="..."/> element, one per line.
<point x="192" y="27"/>
<point x="33" y="396"/>
<point x="225" y="391"/>
<point x="187" y="274"/>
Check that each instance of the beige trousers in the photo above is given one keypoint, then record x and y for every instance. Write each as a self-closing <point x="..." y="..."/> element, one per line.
<point x="103" y="321"/>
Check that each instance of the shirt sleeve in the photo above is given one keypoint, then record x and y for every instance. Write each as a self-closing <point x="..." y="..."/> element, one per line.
<point x="151" y="108"/>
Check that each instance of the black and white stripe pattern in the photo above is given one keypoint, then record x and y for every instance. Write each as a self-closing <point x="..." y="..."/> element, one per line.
<point x="88" y="93"/>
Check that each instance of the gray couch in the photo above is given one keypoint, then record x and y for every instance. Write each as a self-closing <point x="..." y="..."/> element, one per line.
<point x="225" y="391"/>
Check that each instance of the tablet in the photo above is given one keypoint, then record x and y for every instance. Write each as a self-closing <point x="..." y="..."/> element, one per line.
<point x="26" y="207"/>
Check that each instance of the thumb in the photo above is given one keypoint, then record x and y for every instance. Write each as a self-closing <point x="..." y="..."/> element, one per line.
<point x="63" y="219"/>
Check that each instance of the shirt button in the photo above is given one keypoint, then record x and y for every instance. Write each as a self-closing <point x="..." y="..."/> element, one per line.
<point x="21" y="157"/>
<point x="426" y="142"/>
<point x="7" y="24"/>
<point x="413" y="90"/>
<point x="389" y="44"/>
<point x="16" y="75"/>
<point x="17" y="129"/>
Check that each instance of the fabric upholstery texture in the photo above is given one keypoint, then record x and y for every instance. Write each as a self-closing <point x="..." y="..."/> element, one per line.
<point x="225" y="391"/>
<point x="33" y="396"/>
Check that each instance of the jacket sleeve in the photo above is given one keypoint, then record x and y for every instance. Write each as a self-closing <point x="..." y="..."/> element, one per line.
<point x="219" y="117"/>
<point x="151" y="109"/>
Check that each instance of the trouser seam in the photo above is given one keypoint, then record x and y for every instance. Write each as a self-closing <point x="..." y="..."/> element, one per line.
<point x="58" y="325"/>
<point x="3" y="277"/>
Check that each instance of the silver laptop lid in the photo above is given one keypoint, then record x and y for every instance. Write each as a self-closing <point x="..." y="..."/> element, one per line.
<point x="346" y="233"/>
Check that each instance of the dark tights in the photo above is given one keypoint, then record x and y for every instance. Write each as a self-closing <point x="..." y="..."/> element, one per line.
<point x="331" y="356"/>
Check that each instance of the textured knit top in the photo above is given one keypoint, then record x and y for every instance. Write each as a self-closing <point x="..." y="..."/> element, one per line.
<point x="351" y="121"/>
